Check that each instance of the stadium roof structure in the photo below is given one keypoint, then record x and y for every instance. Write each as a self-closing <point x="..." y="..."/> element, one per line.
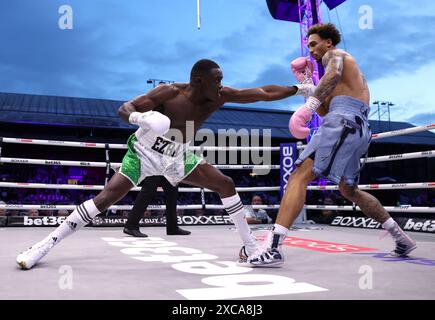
<point x="86" y="112"/>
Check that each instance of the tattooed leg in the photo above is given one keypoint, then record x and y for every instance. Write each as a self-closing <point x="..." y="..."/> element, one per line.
<point x="369" y="205"/>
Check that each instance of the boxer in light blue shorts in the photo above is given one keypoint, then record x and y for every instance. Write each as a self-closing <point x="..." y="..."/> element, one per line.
<point x="340" y="142"/>
<point x="342" y="97"/>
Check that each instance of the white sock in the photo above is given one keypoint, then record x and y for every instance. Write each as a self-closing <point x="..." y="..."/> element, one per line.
<point x="389" y="224"/>
<point x="233" y="205"/>
<point x="271" y="240"/>
<point x="277" y="228"/>
<point x="394" y="230"/>
<point x="81" y="216"/>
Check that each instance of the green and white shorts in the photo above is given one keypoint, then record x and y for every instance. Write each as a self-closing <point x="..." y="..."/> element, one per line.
<point x="151" y="155"/>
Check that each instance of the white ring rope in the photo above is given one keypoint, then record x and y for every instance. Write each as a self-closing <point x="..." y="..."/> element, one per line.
<point x="205" y="148"/>
<point x="389" y="209"/>
<point x="212" y="206"/>
<point x="400" y="132"/>
<point x="394" y="186"/>
<point x="234" y="148"/>
<point x="400" y="156"/>
<point x="114" y="165"/>
<point x="124" y="146"/>
<point x="100" y="187"/>
<point x="65" y="143"/>
<point x="124" y="207"/>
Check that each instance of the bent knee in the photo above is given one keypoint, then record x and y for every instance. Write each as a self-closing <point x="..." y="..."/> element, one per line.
<point x="303" y="175"/>
<point x="349" y="192"/>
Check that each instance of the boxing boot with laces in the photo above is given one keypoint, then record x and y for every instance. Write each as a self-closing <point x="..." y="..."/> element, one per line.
<point x="28" y="258"/>
<point x="270" y="255"/>
<point x="404" y="243"/>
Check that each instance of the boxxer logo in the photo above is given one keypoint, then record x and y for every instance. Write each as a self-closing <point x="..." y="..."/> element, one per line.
<point x="287" y="163"/>
<point x="358" y="222"/>
<point x="288" y="156"/>
<point x="205" y="220"/>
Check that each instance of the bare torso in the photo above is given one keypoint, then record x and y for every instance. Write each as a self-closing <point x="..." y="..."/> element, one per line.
<point x="186" y="102"/>
<point x="180" y="109"/>
<point x="352" y="84"/>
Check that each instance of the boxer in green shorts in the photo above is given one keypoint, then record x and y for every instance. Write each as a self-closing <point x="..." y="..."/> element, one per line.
<point x="151" y="153"/>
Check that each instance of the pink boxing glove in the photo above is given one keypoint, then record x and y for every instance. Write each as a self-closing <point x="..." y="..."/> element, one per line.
<point x="302" y="68"/>
<point x="299" y="120"/>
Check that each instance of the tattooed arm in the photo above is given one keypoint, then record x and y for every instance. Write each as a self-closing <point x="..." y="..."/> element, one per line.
<point x="333" y="63"/>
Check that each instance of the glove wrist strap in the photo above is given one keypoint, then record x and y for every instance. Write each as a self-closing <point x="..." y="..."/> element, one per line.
<point x="312" y="104"/>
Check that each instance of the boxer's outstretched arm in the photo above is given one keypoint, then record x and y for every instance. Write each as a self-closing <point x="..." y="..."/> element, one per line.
<point x="147" y="102"/>
<point x="333" y="63"/>
<point x="266" y="93"/>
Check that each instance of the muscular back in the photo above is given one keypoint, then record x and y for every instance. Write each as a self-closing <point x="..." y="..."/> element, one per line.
<point x="351" y="83"/>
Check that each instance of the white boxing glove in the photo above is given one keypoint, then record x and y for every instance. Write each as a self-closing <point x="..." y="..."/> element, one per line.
<point x="303" y="69"/>
<point x="151" y="120"/>
<point x="305" y="89"/>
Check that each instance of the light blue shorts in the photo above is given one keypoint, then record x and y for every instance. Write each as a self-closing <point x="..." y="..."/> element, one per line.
<point x="340" y="142"/>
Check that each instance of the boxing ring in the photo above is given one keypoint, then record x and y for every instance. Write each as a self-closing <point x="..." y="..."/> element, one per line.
<point x="322" y="262"/>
